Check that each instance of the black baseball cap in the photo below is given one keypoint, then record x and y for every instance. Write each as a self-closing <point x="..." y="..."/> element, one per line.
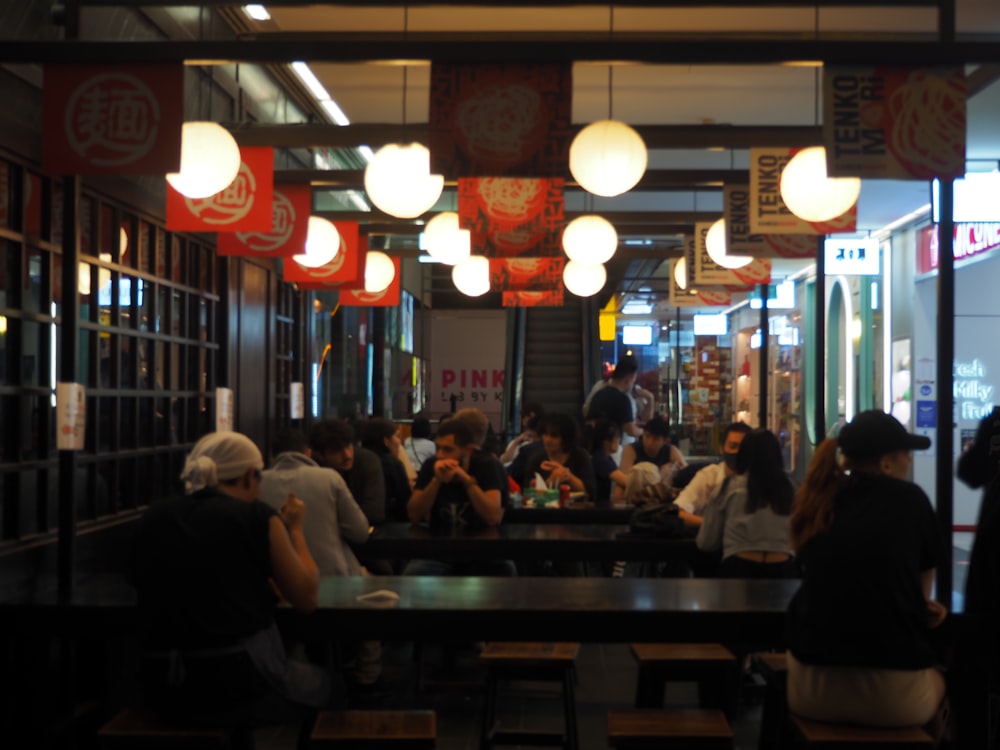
<point x="872" y="434"/>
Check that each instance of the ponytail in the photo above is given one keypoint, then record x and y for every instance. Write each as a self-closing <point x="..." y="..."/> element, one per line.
<point x="813" y="511"/>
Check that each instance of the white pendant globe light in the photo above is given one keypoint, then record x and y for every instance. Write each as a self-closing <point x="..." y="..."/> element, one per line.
<point x="584" y="280"/>
<point x="379" y="271"/>
<point x="399" y="182"/>
<point x="607" y="158"/>
<point x="472" y="276"/>
<point x="715" y="245"/>
<point x="590" y="239"/>
<point x="681" y="273"/>
<point x="210" y="160"/>
<point x="810" y="194"/>
<point x="322" y="243"/>
<point x="445" y="241"/>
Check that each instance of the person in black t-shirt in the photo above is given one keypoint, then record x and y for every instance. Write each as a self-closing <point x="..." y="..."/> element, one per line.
<point x="460" y="487"/>
<point x="603" y="438"/>
<point x="859" y="627"/>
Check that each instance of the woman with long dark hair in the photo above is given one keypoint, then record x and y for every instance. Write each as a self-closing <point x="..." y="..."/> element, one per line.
<point x="749" y="518"/>
<point x="381" y="437"/>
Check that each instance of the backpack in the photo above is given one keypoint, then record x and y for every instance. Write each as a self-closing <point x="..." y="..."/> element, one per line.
<point x="657" y="519"/>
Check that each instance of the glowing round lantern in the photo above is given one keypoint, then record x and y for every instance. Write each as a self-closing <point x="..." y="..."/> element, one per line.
<point x="590" y="240"/>
<point x="810" y="194"/>
<point x="472" y="276"/>
<point x="398" y="180"/>
<point x="322" y="243"/>
<point x="584" y="280"/>
<point x="210" y="160"/>
<point x="607" y="158"/>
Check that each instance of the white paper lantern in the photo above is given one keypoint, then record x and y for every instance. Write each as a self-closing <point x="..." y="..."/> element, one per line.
<point x="584" y="280"/>
<point x="322" y="243"/>
<point x="607" y="158"/>
<point x="210" y="160"/>
<point x="472" y="276"/>
<point x="810" y="194"/>
<point x="398" y="180"/>
<point x="445" y="241"/>
<point x="379" y="271"/>
<point x="681" y="273"/>
<point x="715" y="245"/>
<point x="590" y="239"/>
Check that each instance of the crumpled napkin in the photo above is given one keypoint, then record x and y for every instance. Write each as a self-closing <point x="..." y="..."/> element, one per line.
<point x="539" y="483"/>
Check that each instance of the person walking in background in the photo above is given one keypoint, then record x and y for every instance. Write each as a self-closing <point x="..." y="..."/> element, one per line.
<point x="613" y="401"/>
<point x="859" y="627"/>
<point x="203" y="566"/>
<point x="749" y="519"/>
<point x="381" y="437"/>
<point x="709" y="480"/>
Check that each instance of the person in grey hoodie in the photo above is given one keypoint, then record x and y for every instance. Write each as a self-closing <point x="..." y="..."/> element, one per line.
<point x="335" y="522"/>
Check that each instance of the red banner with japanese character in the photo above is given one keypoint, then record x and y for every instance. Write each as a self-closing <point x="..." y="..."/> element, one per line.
<point x="290" y="209"/>
<point x="243" y="206"/>
<point x="512" y="216"/>
<point x="526" y="274"/>
<point x="546" y="298"/>
<point x="500" y="119"/>
<point x="99" y="119"/>
<point x="345" y="270"/>
<point x="388" y="298"/>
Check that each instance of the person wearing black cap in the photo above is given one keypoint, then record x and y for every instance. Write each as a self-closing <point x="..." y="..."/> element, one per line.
<point x="859" y="626"/>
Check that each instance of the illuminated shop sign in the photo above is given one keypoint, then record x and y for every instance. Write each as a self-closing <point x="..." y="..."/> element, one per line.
<point x="971" y="240"/>
<point x="849" y="257"/>
<point x="973" y="393"/>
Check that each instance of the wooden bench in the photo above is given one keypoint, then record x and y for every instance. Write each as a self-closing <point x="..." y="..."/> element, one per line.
<point x="543" y="662"/>
<point x="133" y="728"/>
<point x="711" y="665"/>
<point x="375" y="729"/>
<point x="694" y="729"/>
<point x="818" y="734"/>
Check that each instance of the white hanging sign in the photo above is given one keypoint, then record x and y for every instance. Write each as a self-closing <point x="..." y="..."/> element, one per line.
<point x="224" y="409"/>
<point x="296" y="401"/>
<point x="71" y="416"/>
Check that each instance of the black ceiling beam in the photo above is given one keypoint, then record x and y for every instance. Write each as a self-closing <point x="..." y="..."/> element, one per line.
<point x="653" y="179"/>
<point x="312" y="135"/>
<point x="717" y="49"/>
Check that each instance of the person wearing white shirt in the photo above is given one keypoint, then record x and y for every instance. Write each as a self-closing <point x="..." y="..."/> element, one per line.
<point x="706" y="483"/>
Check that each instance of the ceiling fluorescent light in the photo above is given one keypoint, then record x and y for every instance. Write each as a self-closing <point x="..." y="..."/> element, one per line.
<point x="367" y="153"/>
<point x="336" y="113"/>
<point x="305" y="74"/>
<point x="636" y="307"/>
<point x="257" y="12"/>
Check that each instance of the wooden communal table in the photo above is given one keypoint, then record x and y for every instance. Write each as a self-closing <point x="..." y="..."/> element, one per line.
<point x="513" y="541"/>
<point x="464" y="608"/>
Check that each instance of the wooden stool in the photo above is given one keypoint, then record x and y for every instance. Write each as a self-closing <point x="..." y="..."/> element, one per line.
<point x="819" y="734"/>
<point x="711" y="665"/>
<point x="133" y="728"/>
<point x="698" y="729"/>
<point x="774" y="718"/>
<point x="390" y="729"/>
<point x="544" y="662"/>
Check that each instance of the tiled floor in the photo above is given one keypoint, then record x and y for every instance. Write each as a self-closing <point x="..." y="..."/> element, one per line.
<point x="606" y="680"/>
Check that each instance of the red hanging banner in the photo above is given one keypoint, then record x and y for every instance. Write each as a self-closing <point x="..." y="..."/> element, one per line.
<point x="347" y="267"/>
<point x="290" y="209"/>
<point x="500" y="119"/>
<point x="99" y="119"/>
<point x="547" y="298"/>
<point x="388" y="298"/>
<point x="526" y="274"/>
<point x="244" y="206"/>
<point x="512" y="216"/>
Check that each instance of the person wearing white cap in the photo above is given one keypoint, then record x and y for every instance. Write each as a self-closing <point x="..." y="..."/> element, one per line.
<point x="203" y="566"/>
<point x="860" y="649"/>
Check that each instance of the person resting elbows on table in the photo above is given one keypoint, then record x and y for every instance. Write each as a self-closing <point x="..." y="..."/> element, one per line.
<point x="562" y="460"/>
<point x="459" y="488"/>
